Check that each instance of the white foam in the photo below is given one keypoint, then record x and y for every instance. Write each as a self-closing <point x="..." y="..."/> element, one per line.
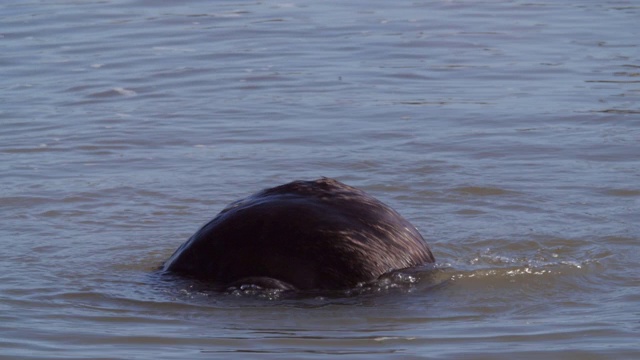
<point x="125" y="92"/>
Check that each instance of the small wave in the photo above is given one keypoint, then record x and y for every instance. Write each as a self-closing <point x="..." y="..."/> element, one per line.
<point x="547" y="271"/>
<point x="559" y="268"/>
<point x="117" y="91"/>
<point x="256" y="292"/>
<point x="173" y="49"/>
<point x="405" y="281"/>
<point x="124" y="92"/>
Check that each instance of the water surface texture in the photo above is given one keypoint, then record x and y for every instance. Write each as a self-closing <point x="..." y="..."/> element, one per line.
<point x="508" y="132"/>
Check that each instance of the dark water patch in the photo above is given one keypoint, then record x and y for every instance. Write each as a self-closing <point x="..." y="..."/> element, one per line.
<point x="622" y="192"/>
<point x="482" y="191"/>
<point x="618" y="111"/>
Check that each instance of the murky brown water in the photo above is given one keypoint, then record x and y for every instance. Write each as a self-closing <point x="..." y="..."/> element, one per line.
<point x="508" y="132"/>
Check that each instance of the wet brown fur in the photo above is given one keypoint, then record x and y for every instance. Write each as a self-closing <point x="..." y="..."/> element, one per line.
<point x="303" y="235"/>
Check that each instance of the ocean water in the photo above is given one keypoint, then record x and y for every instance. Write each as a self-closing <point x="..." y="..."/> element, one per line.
<point x="506" y="131"/>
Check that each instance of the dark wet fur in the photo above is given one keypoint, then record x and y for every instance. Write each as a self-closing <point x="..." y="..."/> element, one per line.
<point x="303" y="235"/>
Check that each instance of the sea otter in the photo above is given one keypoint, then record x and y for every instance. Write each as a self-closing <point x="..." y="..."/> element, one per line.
<point x="304" y="235"/>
